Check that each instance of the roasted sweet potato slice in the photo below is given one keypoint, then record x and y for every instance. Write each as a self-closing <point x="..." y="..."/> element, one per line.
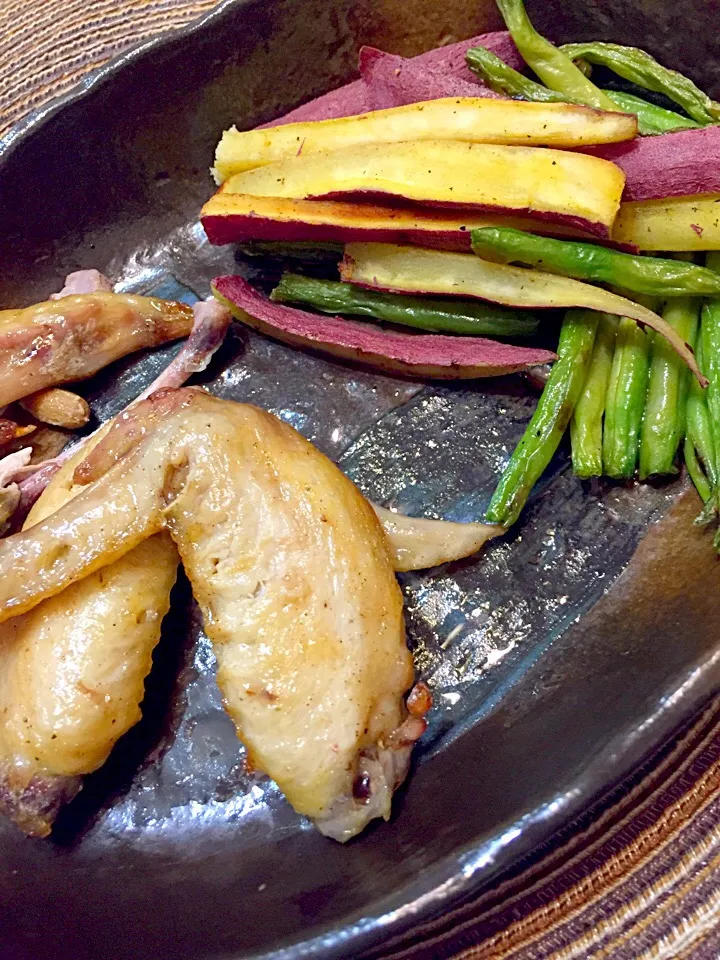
<point x="417" y="355"/>
<point x="674" y="223"/>
<point x="382" y="266"/>
<point x="555" y="185"/>
<point x="466" y="119"/>
<point x="236" y="217"/>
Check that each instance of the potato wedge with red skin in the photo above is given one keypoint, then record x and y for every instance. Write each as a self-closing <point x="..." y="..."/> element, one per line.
<point x="466" y="119"/>
<point x="554" y="185"/>
<point x="235" y="217"/>
<point x="416" y="355"/>
<point x="383" y="266"/>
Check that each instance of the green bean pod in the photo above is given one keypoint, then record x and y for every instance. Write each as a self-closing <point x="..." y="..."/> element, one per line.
<point x="587" y="420"/>
<point x="652" y="120"/>
<point x="699" y="447"/>
<point x="307" y="250"/>
<point x="694" y="468"/>
<point x="650" y="276"/>
<point x="555" y="69"/>
<point x="665" y="403"/>
<point x="710" y="334"/>
<point x="625" y="402"/>
<point x="698" y="429"/>
<point x="441" y="315"/>
<point x="501" y="78"/>
<point x="549" y="422"/>
<point x="639" y="67"/>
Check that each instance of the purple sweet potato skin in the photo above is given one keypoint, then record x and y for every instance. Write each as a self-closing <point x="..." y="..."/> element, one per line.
<point x="672" y="165"/>
<point x="419" y="354"/>
<point x="592" y="227"/>
<point x="346" y="101"/>
<point x="393" y="81"/>
<point x="235" y="228"/>
<point x="449" y="61"/>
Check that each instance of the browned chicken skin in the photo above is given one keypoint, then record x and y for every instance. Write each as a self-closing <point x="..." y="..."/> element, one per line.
<point x="72" y="670"/>
<point x="293" y="575"/>
<point x="69" y="339"/>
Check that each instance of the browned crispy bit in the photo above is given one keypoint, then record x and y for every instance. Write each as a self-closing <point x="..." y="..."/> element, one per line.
<point x="419" y="700"/>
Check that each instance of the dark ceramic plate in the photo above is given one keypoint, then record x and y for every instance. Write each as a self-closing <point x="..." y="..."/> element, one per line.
<point x="560" y="658"/>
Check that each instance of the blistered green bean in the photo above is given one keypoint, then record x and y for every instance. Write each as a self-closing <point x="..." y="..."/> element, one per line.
<point x="694" y="468"/>
<point x="625" y="401"/>
<point x="639" y="67"/>
<point x="586" y="426"/>
<point x="652" y="120"/>
<point x="665" y="404"/>
<point x="697" y="423"/>
<point x="440" y="315"/>
<point x="651" y="276"/>
<point x="710" y="351"/>
<point x="307" y="250"/>
<point x="549" y="422"/>
<point x="501" y="78"/>
<point x="555" y="69"/>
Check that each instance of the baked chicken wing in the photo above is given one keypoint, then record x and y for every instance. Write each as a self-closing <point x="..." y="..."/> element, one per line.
<point x="293" y="575"/>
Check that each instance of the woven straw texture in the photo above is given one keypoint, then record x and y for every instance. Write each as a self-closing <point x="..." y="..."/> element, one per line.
<point x="640" y="877"/>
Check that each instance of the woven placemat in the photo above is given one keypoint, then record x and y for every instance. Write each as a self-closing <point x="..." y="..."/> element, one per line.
<point x="637" y="878"/>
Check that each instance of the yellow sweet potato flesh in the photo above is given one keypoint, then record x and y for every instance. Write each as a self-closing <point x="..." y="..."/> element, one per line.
<point x="674" y="223"/>
<point x="384" y="266"/>
<point x="565" y="187"/>
<point x="467" y="119"/>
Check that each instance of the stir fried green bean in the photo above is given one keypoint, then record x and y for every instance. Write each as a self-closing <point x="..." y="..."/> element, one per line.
<point x="549" y="422"/>
<point x="308" y="250"/>
<point x="710" y="352"/>
<point x="555" y="69"/>
<point x="586" y="425"/>
<point x="694" y="468"/>
<point x="698" y="430"/>
<point x="652" y="120"/>
<point x="447" y="315"/>
<point x="651" y="276"/>
<point x="639" y="67"/>
<point x="665" y="403"/>
<point x="625" y="401"/>
<point x="501" y="78"/>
